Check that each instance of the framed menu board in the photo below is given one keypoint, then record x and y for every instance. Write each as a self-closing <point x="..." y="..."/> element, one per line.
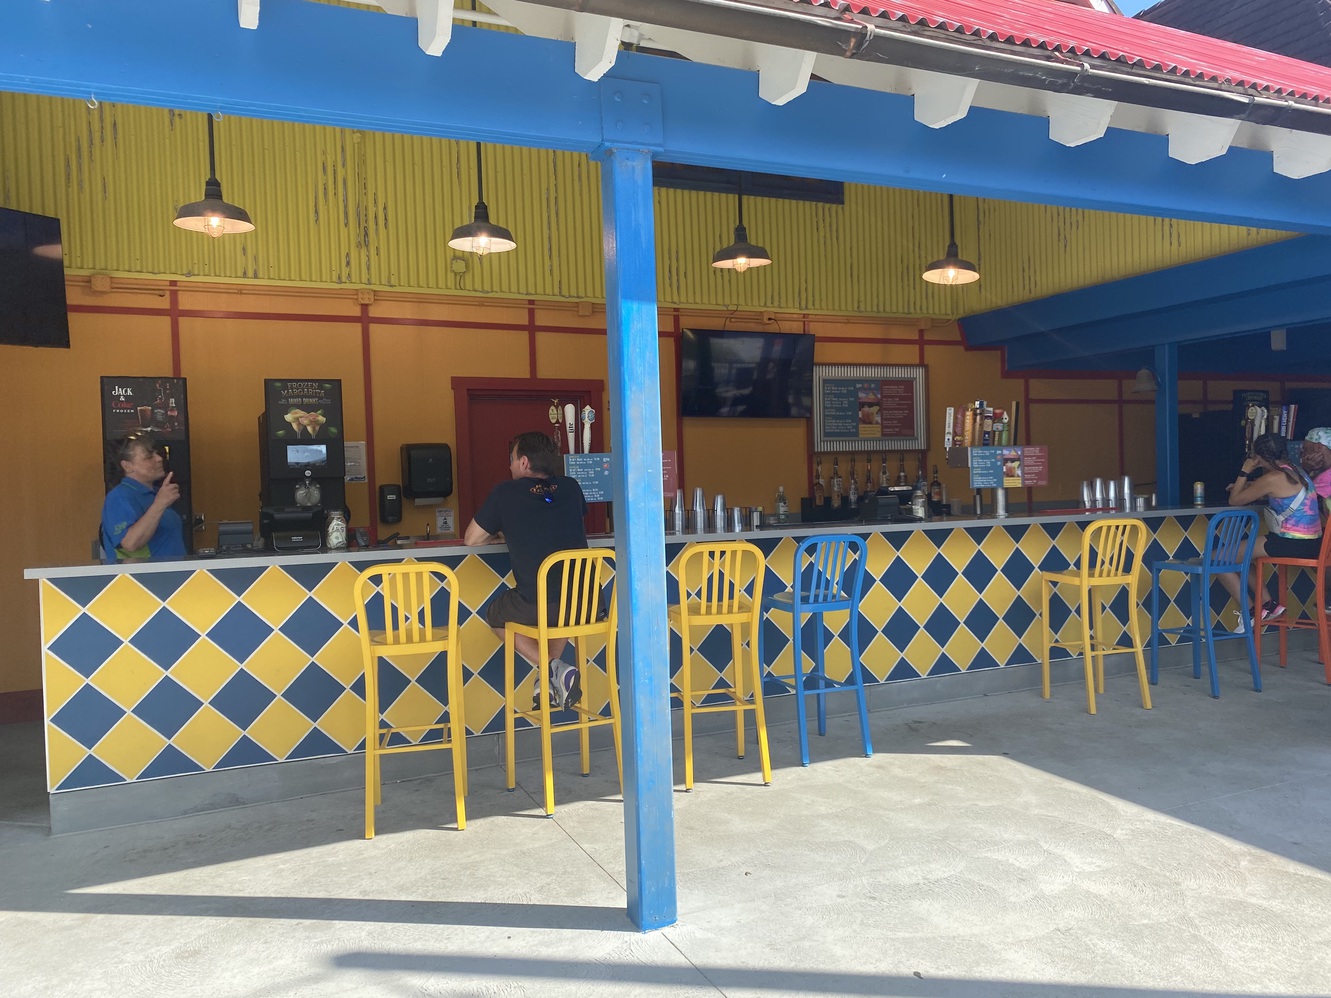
<point x="868" y="407"/>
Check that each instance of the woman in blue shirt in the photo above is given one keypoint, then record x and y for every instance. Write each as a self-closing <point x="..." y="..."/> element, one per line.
<point x="137" y="518"/>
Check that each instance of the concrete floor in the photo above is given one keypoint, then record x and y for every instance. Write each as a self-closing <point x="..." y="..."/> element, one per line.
<point x="994" y="846"/>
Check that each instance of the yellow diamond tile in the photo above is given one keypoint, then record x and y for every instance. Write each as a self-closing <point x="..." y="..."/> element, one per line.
<point x="63" y="754"/>
<point x="58" y="611"/>
<point x="337" y="592"/>
<point x="781" y="562"/>
<point x="207" y="737"/>
<point x="1034" y="638"/>
<point x="481" y="702"/>
<point x="918" y="552"/>
<point x="920" y="602"/>
<point x="961" y="647"/>
<point x="124" y="606"/>
<point x="879" y="658"/>
<point x="59" y="683"/>
<point x="1068" y="543"/>
<point x="201" y="601"/>
<point x="129" y="746"/>
<point x="922" y="653"/>
<point x="275" y="596"/>
<point x="410" y="666"/>
<point x="478" y="642"/>
<point x="476" y="581"/>
<point x="276" y="662"/>
<point x="876" y="604"/>
<point x="279" y="728"/>
<point x="1035" y="544"/>
<point x="704" y="677"/>
<point x="126" y="676"/>
<point x="960" y="597"/>
<point x="204" y="669"/>
<point x="959" y="548"/>
<point x="342" y="657"/>
<point x="880" y="555"/>
<point x="998" y="546"/>
<point x="1170" y="534"/>
<point x="1030" y="590"/>
<point x="344" y="722"/>
<point x="1000" y="593"/>
<point x="836" y="660"/>
<point x="414" y="706"/>
<point x="1001" y="642"/>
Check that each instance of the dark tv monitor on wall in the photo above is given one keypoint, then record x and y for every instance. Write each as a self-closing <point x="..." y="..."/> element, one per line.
<point x="731" y="373"/>
<point x="32" y="281"/>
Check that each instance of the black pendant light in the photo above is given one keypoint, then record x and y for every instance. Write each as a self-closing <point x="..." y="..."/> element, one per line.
<point x="480" y="235"/>
<point x="951" y="269"/>
<point x="213" y="215"/>
<point x="741" y="254"/>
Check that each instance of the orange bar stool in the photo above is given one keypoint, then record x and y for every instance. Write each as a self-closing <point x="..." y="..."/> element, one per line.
<point x="1316" y="617"/>
<point x="1111" y="551"/>
<point x="721" y="584"/>
<point x="571" y="593"/>
<point x="402" y="611"/>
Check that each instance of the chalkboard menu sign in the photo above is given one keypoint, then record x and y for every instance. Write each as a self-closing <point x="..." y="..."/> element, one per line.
<point x="867" y="407"/>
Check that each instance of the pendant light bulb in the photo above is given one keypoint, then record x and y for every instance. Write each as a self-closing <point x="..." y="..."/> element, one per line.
<point x="481" y="236"/>
<point x="212" y="215"/>
<point x="740" y="255"/>
<point x="951" y="269"/>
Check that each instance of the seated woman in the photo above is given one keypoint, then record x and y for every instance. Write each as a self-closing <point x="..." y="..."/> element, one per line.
<point x="137" y="518"/>
<point x="1294" y="527"/>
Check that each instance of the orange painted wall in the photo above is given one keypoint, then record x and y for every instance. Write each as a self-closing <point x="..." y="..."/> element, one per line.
<point x="230" y="338"/>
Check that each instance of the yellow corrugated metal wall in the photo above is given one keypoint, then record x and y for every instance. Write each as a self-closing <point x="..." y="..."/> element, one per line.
<point x="337" y="206"/>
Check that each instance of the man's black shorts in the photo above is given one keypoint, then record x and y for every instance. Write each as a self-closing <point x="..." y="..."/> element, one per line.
<point x="510" y="606"/>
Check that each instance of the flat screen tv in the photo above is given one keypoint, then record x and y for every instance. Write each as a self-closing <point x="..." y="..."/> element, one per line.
<point x="32" y="281"/>
<point x="744" y="374"/>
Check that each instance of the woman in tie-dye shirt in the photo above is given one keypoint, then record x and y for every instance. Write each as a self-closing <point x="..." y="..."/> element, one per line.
<point x="1294" y="525"/>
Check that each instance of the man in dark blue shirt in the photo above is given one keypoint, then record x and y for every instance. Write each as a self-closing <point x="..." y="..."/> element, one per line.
<point x="538" y="512"/>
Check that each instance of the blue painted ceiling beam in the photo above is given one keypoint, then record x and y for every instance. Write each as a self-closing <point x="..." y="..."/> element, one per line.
<point x="316" y="63"/>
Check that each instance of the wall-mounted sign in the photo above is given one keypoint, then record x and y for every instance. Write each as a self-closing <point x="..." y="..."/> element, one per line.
<point x="592" y="472"/>
<point x="866" y="407"/>
<point x="1009" y="467"/>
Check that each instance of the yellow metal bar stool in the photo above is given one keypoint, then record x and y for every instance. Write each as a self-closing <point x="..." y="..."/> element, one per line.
<point x="575" y="599"/>
<point x="721" y="584"/>
<point x="1111" y="553"/>
<point x="401" y="611"/>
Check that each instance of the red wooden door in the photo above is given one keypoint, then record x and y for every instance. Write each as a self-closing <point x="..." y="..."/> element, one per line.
<point x="491" y="412"/>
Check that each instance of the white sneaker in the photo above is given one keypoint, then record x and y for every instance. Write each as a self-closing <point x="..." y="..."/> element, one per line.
<point x="566" y="683"/>
<point x="1239" y="628"/>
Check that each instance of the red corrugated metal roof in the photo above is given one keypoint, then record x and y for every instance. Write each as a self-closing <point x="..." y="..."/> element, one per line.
<point x="1078" y="31"/>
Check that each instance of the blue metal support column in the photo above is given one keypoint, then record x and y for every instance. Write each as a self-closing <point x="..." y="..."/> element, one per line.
<point x="631" y="114"/>
<point x="1166" y="425"/>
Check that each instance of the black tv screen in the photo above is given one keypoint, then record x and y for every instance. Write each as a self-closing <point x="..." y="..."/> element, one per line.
<point x="32" y="281"/>
<point x="731" y="373"/>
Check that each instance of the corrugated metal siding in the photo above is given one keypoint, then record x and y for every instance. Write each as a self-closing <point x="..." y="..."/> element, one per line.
<point x="337" y="206"/>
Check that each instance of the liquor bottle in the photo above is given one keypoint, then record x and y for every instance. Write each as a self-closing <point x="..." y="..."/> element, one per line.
<point x="868" y="476"/>
<point x="853" y="490"/>
<point x="782" y="505"/>
<point x="883" y="481"/>
<point x="936" y="487"/>
<point x="836" y="485"/>
<point x="921" y="483"/>
<point x="172" y="416"/>
<point x="818" y="490"/>
<point x="901" y="471"/>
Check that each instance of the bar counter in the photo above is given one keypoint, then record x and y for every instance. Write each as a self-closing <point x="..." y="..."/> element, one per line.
<point x="159" y="669"/>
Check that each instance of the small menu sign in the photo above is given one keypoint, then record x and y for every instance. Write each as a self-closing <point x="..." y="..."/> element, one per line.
<point x="1009" y="467"/>
<point x="592" y="472"/>
<point x="144" y="405"/>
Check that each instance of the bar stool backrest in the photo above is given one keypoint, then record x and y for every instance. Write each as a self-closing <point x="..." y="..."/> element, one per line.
<point x="407" y="604"/>
<point x="720" y="571"/>
<point x="1229" y="541"/>
<point x="829" y="570"/>
<point x="1109" y="548"/>
<point x="572" y="585"/>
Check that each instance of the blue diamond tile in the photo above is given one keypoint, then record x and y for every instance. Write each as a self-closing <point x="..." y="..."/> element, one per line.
<point x="900" y="628"/>
<point x="316" y="743"/>
<point x="83" y="590"/>
<point x="981" y="620"/>
<point x="314" y="691"/>
<point x="167" y="707"/>
<point x="164" y="638"/>
<point x="392" y="682"/>
<point x="979" y="572"/>
<point x="310" y="627"/>
<point x="246" y="752"/>
<point x="939" y="575"/>
<point x="90" y="773"/>
<point x="240" y="632"/>
<point x="309" y="576"/>
<point x="434" y="680"/>
<point x="1019" y="616"/>
<point x="169" y="762"/>
<point x="898" y="577"/>
<point x="242" y="699"/>
<point x="85" y="645"/>
<point x="163" y="585"/>
<point x="238" y="580"/>
<point x="87" y="716"/>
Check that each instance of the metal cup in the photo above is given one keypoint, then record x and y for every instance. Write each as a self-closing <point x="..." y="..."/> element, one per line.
<point x="737" y="518"/>
<point x="1087" y="497"/>
<point x="756" y="518"/>
<point x="1111" y="493"/>
<point x="1098" y="492"/>
<point x="1141" y="504"/>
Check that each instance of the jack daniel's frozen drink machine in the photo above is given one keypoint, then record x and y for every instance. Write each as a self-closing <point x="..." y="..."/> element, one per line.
<point x="301" y="462"/>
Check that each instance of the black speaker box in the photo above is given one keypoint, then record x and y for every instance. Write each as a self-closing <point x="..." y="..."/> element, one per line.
<point x="390" y="503"/>
<point x="427" y="471"/>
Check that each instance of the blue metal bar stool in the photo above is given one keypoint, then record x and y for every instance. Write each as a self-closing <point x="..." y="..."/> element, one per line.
<point x="1230" y="537"/>
<point x="829" y="575"/>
